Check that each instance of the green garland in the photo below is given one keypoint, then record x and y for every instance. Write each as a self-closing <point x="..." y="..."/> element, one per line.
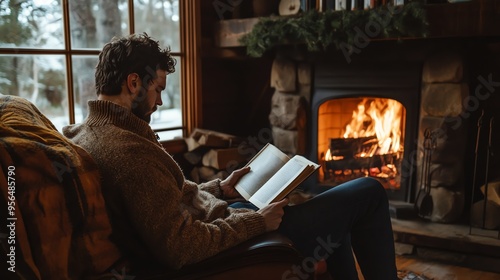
<point x="320" y="30"/>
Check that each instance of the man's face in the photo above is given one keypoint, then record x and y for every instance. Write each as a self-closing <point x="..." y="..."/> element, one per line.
<point x="150" y="97"/>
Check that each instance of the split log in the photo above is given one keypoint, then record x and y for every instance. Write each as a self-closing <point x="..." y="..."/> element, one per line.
<point x="193" y="158"/>
<point x="201" y="174"/>
<point x="349" y="147"/>
<point x="211" y="139"/>
<point x="223" y="159"/>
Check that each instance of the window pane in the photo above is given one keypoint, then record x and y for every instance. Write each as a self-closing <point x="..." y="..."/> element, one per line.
<point x="39" y="78"/>
<point x="94" y="22"/>
<point x="83" y="84"/>
<point x="160" y="19"/>
<point x="31" y="23"/>
<point x="170" y="115"/>
<point x="170" y="134"/>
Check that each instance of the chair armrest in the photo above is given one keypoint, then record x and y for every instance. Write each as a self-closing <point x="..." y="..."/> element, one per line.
<point x="265" y="249"/>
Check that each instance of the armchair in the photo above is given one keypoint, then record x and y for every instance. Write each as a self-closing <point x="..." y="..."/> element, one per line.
<point x="50" y="193"/>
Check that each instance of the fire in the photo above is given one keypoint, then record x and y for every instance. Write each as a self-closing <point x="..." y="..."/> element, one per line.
<point x="380" y="117"/>
<point x="369" y="145"/>
<point x="329" y="156"/>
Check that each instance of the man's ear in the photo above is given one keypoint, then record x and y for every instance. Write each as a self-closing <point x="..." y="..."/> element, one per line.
<point x="133" y="83"/>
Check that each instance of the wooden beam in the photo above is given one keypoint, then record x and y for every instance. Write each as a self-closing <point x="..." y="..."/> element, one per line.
<point x="191" y="65"/>
<point x="228" y="32"/>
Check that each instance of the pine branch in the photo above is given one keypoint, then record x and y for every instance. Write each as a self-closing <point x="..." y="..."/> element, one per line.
<point x="320" y="30"/>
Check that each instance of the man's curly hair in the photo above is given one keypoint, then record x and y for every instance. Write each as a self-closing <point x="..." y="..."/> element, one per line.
<point x="136" y="53"/>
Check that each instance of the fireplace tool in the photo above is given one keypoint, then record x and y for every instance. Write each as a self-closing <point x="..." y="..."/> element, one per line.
<point x="487" y="165"/>
<point x="423" y="202"/>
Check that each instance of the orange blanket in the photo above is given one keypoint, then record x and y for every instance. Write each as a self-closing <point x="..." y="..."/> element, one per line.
<point x="53" y="187"/>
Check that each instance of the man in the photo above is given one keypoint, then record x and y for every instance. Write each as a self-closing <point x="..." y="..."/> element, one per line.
<point x="160" y="217"/>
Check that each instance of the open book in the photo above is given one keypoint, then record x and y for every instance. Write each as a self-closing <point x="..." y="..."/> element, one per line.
<point x="273" y="175"/>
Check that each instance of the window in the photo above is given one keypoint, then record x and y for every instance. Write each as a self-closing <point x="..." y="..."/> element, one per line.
<point x="48" y="51"/>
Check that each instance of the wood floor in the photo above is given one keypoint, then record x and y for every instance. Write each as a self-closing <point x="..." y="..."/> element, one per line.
<point x="439" y="271"/>
<point x="447" y="237"/>
<point x="430" y="270"/>
<point x="457" y="238"/>
<point x="471" y="251"/>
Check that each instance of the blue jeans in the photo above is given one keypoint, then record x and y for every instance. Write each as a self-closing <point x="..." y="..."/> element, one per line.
<point x="350" y="217"/>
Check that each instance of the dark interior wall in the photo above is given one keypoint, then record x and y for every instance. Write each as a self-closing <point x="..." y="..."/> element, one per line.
<point x="235" y="88"/>
<point x="236" y="95"/>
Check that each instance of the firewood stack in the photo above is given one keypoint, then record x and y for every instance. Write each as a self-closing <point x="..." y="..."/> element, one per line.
<point x="212" y="155"/>
<point x="291" y="79"/>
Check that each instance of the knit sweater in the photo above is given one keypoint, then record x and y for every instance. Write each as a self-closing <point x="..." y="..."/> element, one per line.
<point x="156" y="214"/>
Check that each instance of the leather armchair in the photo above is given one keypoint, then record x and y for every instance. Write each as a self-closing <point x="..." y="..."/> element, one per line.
<point x="61" y="225"/>
<point x="268" y="256"/>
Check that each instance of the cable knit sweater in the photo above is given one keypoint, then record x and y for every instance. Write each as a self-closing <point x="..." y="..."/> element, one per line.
<point x="156" y="214"/>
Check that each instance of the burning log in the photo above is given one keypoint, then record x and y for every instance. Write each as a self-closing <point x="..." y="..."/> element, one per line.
<point x="349" y="148"/>
<point x="377" y="161"/>
<point x="350" y="158"/>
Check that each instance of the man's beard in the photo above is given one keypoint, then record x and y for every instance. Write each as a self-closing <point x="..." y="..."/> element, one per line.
<point x="140" y="107"/>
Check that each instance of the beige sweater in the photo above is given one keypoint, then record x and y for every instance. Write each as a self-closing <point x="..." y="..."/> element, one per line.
<point x="156" y="214"/>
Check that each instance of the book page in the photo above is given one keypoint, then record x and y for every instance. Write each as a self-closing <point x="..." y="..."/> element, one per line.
<point x="287" y="176"/>
<point x="262" y="167"/>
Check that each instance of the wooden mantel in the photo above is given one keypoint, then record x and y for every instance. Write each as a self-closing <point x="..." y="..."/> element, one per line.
<point x="476" y="18"/>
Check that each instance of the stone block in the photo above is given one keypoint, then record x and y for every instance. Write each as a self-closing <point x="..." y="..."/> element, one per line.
<point x="448" y="205"/>
<point x="285" y="140"/>
<point x="304" y="73"/>
<point x="285" y="110"/>
<point x="443" y="68"/>
<point x="443" y="100"/>
<point x="304" y="91"/>
<point x="450" y="140"/>
<point x="450" y="176"/>
<point x="284" y="75"/>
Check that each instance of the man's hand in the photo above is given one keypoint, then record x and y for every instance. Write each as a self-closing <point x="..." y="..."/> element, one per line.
<point x="273" y="213"/>
<point x="227" y="185"/>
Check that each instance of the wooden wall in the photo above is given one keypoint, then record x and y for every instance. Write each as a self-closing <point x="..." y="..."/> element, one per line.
<point x="235" y="88"/>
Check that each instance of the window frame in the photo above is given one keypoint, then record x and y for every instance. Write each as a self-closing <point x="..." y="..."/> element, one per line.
<point x="190" y="65"/>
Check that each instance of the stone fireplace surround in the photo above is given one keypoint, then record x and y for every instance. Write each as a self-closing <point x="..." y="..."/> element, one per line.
<point x="434" y="80"/>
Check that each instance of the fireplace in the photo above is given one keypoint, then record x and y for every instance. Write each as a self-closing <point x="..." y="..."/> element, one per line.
<point x="361" y="137"/>
<point x="364" y="123"/>
<point x="438" y="90"/>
